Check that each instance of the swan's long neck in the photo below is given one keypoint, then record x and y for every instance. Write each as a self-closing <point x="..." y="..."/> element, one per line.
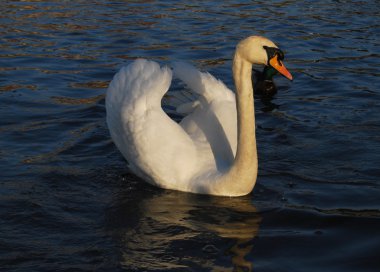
<point x="246" y="154"/>
<point x="241" y="177"/>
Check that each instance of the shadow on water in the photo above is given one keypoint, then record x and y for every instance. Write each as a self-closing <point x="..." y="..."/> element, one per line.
<point x="169" y="230"/>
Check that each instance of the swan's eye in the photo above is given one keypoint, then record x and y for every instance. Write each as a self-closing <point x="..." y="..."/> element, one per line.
<point x="272" y="52"/>
<point x="280" y="55"/>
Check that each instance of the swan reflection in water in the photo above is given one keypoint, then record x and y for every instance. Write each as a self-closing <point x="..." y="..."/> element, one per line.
<point x="175" y="231"/>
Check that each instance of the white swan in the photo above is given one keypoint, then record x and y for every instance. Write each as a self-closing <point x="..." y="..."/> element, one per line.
<point x="213" y="149"/>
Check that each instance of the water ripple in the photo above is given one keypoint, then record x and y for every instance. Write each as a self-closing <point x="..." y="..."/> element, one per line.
<point x="67" y="199"/>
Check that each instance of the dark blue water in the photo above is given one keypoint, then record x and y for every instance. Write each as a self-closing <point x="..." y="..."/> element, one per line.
<point x="67" y="200"/>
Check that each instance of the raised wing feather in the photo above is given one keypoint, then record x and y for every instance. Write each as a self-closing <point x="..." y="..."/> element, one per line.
<point x="203" y="84"/>
<point x="157" y="148"/>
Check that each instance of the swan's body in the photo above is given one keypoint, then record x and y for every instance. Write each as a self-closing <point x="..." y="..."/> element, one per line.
<point x="213" y="149"/>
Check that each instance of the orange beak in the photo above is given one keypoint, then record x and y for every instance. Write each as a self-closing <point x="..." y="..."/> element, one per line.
<point x="280" y="67"/>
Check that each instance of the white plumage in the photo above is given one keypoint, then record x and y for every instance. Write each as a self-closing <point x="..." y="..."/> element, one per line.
<point x="159" y="149"/>
<point x="196" y="155"/>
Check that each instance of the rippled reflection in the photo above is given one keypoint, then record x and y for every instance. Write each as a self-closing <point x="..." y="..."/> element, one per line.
<point x="176" y="230"/>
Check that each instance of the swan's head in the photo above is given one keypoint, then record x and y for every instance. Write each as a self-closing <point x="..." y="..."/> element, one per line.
<point x="260" y="50"/>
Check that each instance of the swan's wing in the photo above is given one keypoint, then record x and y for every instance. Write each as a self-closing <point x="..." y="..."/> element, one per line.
<point x="157" y="148"/>
<point x="203" y="84"/>
<point x="211" y="115"/>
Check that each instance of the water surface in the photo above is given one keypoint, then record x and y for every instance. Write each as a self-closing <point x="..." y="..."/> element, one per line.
<point x="67" y="199"/>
